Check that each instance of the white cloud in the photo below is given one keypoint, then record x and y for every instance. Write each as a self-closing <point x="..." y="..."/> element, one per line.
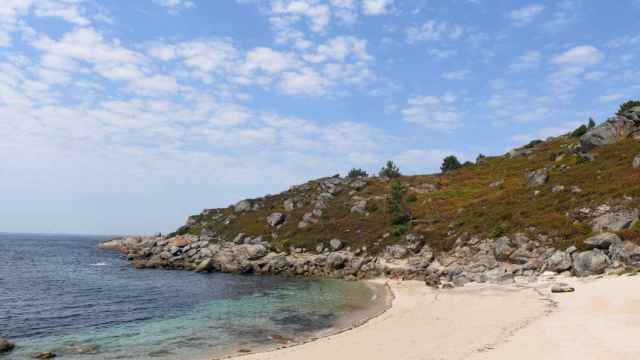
<point x="316" y="14"/>
<point x="376" y="7"/>
<point x="303" y="82"/>
<point x="529" y="60"/>
<point x="571" y="68"/>
<point x="66" y="10"/>
<point x="525" y="15"/>
<point x="175" y="5"/>
<point x="584" y="55"/>
<point x="434" y="30"/>
<point x="456" y="75"/>
<point x="432" y="112"/>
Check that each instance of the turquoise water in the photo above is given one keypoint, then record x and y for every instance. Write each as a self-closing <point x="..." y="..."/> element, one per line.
<point x="60" y="294"/>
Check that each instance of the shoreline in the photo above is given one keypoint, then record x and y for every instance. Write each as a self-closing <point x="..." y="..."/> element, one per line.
<point x="381" y="302"/>
<point x="487" y="321"/>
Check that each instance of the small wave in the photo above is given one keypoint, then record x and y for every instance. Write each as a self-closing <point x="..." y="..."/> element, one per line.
<point x="99" y="264"/>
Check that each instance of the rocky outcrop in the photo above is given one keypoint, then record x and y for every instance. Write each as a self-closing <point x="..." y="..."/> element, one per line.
<point x="6" y="345"/>
<point x="477" y="260"/>
<point x="612" y="131"/>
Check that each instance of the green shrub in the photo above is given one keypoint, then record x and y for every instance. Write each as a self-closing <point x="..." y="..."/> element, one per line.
<point x="396" y="204"/>
<point x="450" y="163"/>
<point x="628" y="106"/>
<point x="579" y="131"/>
<point x="357" y="173"/>
<point x="390" y="170"/>
<point x="496" y="231"/>
<point x="533" y="143"/>
<point x="412" y="198"/>
<point x="399" y="230"/>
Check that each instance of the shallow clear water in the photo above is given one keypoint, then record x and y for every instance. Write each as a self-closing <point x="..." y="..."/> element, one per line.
<point x="60" y="293"/>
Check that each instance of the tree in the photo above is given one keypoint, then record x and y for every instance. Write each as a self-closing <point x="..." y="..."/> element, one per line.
<point x="356" y="173"/>
<point x="390" y="170"/>
<point x="579" y="131"/>
<point x="628" y="106"/>
<point x="396" y="204"/>
<point x="591" y="123"/>
<point x="450" y="163"/>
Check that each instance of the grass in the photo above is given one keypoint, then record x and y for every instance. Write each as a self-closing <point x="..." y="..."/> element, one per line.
<point x="464" y="206"/>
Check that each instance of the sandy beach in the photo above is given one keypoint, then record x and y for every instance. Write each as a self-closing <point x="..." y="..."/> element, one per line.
<point x="525" y="321"/>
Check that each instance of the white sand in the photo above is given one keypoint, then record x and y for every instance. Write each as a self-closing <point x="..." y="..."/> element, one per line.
<point x="601" y="320"/>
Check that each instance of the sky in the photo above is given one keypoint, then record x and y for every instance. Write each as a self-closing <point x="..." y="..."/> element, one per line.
<point x="125" y="117"/>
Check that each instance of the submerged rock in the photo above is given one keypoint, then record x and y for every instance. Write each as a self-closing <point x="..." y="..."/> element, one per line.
<point x="6" y="345"/>
<point x="44" y="355"/>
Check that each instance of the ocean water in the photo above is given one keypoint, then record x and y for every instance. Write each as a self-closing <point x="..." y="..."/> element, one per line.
<point x="60" y="293"/>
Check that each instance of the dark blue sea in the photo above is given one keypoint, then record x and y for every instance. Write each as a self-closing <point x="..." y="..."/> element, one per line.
<point x="60" y="293"/>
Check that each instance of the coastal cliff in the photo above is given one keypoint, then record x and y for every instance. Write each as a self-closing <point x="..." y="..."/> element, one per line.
<point x="565" y="205"/>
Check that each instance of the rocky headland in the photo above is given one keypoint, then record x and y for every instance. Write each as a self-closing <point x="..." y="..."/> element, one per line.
<point x="566" y="205"/>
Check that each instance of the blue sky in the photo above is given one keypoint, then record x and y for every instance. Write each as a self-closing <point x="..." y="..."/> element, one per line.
<point x="127" y="116"/>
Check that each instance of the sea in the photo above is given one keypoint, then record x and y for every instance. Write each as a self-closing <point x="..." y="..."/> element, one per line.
<point x="61" y="294"/>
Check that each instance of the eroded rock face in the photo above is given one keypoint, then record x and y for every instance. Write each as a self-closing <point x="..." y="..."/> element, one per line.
<point x="590" y="262"/>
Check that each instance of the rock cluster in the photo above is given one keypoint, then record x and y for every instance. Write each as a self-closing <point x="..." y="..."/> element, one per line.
<point x="473" y="260"/>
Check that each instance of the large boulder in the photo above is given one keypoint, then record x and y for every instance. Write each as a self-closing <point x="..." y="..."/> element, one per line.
<point x="359" y="207"/>
<point x="590" y="262"/>
<point x="336" y="244"/>
<point x="609" y="132"/>
<point x="276" y="219"/>
<point x="602" y="241"/>
<point x="558" y="262"/>
<point x="336" y="260"/>
<point x="179" y="241"/>
<point x="626" y="252"/>
<point x="6" y="345"/>
<point x="537" y="177"/>
<point x="615" y="221"/>
<point x="205" y="265"/>
<point x="502" y="249"/>
<point x="414" y="242"/>
<point x="252" y="252"/>
<point x="396" y="252"/>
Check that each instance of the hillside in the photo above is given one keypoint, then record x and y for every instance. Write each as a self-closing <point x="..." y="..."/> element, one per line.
<point x="549" y="198"/>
